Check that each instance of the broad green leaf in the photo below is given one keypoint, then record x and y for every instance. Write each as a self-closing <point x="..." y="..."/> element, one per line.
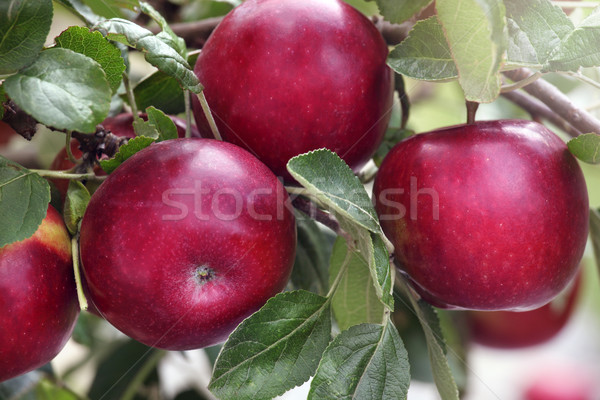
<point x="355" y="301"/>
<point x="111" y="8"/>
<point x="161" y="91"/>
<point x="595" y="234"/>
<point x="156" y="51"/>
<point x="579" y="48"/>
<point x="424" y="54"/>
<point x="397" y="11"/>
<point x="275" y="349"/>
<point x="535" y="29"/>
<point x="164" y="125"/>
<point x="94" y="45"/>
<point x="80" y="9"/>
<point x="76" y="202"/>
<point x="586" y="147"/>
<point x="125" y="151"/>
<point x="475" y="31"/>
<point x="312" y="257"/>
<point x="49" y="390"/>
<point x="436" y="346"/>
<point x="63" y="90"/>
<point x="166" y="35"/>
<point x="24" y="198"/>
<point x="333" y="183"/>
<point x="24" y="25"/>
<point x="365" y="362"/>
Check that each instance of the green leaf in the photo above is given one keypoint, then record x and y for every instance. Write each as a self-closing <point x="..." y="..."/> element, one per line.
<point x="49" y="390"/>
<point x="312" y="257"/>
<point x="63" y="90"/>
<point x="586" y="147"/>
<point x="436" y="346"/>
<point x="125" y="151"/>
<point x="166" y="35"/>
<point x="579" y="48"/>
<point x="355" y="301"/>
<point x="595" y="234"/>
<point x="275" y="349"/>
<point x="94" y="45"/>
<point x="397" y="11"/>
<point x="161" y="91"/>
<point x="367" y="361"/>
<point x="424" y="54"/>
<point x="24" y="25"/>
<point x="536" y="28"/>
<point x="24" y="198"/>
<point x="162" y="123"/>
<point x="156" y="51"/>
<point x="81" y="10"/>
<point x="475" y="31"/>
<point x="76" y="202"/>
<point x="332" y="182"/>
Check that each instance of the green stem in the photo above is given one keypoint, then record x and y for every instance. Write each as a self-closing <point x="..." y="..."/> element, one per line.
<point x="130" y="95"/>
<point x="522" y="83"/>
<point x="188" y="114"/>
<point x="68" y="148"/>
<point x="46" y="173"/>
<point x="142" y="374"/>
<point x="209" y="117"/>
<point x="585" y="79"/>
<point x="83" y="304"/>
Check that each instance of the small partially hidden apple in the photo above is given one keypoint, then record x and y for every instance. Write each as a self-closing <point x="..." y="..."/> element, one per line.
<point x="184" y="240"/>
<point x="120" y="125"/>
<point x="487" y="216"/>
<point x="38" y="299"/>
<point x="284" y="77"/>
<point x="513" y="329"/>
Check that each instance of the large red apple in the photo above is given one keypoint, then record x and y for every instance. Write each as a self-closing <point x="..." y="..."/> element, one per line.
<point x="38" y="299"/>
<point x="513" y="329"/>
<point x="489" y="216"/>
<point x="120" y="125"/>
<point x="184" y="240"/>
<point x="283" y="77"/>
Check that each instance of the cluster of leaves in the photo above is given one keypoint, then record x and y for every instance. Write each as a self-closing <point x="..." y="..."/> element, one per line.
<point x="73" y="85"/>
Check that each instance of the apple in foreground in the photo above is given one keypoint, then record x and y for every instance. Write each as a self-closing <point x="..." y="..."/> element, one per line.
<point x="513" y="330"/>
<point x="486" y="216"/>
<point x="184" y="240"/>
<point x="296" y="76"/>
<point x="38" y="299"/>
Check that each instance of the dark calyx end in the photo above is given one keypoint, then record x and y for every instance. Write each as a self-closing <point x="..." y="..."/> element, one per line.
<point x="203" y="274"/>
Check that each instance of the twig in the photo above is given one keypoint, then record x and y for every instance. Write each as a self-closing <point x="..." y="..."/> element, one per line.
<point x="309" y="208"/>
<point x="538" y="109"/>
<point x="557" y="101"/>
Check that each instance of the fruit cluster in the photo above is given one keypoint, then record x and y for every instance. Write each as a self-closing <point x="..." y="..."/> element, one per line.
<point x="190" y="236"/>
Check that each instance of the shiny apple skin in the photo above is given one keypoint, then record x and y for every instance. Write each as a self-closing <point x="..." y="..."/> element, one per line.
<point x="38" y="299"/>
<point x="514" y="330"/>
<point x="169" y="210"/>
<point x="284" y="77"/>
<point x="512" y="214"/>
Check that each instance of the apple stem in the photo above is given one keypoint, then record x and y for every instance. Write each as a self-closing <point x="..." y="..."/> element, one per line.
<point x="404" y="100"/>
<point x="130" y="95"/>
<point x="208" y="114"/>
<point x="188" y="114"/>
<point x="70" y="155"/>
<point x="66" y="175"/>
<point x="83" y="304"/>
<point x="472" y="107"/>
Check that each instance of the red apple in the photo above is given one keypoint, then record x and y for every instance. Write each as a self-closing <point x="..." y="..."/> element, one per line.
<point x="283" y="77"/>
<point x="511" y="330"/>
<point x="120" y="125"/>
<point x="6" y="133"/>
<point x="488" y="216"/>
<point x="38" y="299"/>
<point x="561" y="381"/>
<point x="184" y="240"/>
